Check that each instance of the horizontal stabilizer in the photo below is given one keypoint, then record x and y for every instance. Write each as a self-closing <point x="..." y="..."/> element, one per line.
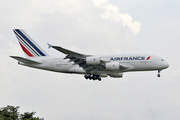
<point x="25" y="60"/>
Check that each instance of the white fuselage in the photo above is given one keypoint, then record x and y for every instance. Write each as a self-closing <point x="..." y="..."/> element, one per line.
<point x="134" y="62"/>
<point x="93" y="66"/>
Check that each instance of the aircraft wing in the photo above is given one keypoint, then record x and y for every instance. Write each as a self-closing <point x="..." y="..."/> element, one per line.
<point x="25" y="60"/>
<point x="80" y="59"/>
<point x="77" y="58"/>
<point x="67" y="52"/>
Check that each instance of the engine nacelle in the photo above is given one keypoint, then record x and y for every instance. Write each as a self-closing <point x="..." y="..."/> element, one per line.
<point x="116" y="75"/>
<point x="93" y="60"/>
<point x="112" y="66"/>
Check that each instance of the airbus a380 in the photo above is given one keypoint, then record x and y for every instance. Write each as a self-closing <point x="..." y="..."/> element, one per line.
<point x="93" y="67"/>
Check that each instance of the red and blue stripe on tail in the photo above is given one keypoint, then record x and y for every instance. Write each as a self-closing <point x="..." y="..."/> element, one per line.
<point x="28" y="45"/>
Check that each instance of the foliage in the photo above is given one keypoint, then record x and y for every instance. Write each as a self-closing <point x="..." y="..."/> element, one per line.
<point x="11" y="113"/>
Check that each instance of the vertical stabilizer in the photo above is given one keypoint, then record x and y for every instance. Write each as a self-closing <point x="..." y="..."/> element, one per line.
<point x="28" y="45"/>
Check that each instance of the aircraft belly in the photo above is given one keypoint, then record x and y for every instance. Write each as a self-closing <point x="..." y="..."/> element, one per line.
<point x="77" y="69"/>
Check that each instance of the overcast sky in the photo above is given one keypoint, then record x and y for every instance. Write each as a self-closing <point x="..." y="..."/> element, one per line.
<point x="92" y="27"/>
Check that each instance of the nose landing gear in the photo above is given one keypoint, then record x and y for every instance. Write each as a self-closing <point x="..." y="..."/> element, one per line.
<point x="158" y="75"/>
<point x="94" y="77"/>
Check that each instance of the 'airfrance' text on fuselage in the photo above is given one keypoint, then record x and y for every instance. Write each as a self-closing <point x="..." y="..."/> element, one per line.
<point x="127" y="58"/>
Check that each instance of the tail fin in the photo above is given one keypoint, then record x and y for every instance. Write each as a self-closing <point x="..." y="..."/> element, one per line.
<point x="28" y="45"/>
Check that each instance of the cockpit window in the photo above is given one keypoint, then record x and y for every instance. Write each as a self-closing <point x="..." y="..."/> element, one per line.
<point x="162" y="59"/>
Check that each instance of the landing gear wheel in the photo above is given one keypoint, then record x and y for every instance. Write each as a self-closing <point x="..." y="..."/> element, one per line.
<point x="86" y="76"/>
<point x="159" y="73"/>
<point x="92" y="77"/>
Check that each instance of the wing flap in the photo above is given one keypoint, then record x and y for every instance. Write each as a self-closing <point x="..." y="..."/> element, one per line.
<point x="25" y="60"/>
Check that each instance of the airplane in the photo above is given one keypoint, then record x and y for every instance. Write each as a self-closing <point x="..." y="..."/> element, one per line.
<point x="93" y="67"/>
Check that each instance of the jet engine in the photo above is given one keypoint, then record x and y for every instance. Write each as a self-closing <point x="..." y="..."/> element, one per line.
<point x="116" y="75"/>
<point x="112" y="66"/>
<point x="93" y="60"/>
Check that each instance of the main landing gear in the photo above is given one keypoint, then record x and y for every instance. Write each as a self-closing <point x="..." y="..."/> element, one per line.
<point x="92" y="77"/>
<point x="158" y="73"/>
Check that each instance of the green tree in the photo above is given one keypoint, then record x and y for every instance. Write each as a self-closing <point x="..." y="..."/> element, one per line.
<point x="11" y="113"/>
<point x="29" y="116"/>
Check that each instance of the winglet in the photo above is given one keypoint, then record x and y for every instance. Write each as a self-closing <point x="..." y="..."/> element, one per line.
<point x="49" y="45"/>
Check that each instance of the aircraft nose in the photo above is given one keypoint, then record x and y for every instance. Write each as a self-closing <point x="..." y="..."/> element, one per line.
<point x="166" y="64"/>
